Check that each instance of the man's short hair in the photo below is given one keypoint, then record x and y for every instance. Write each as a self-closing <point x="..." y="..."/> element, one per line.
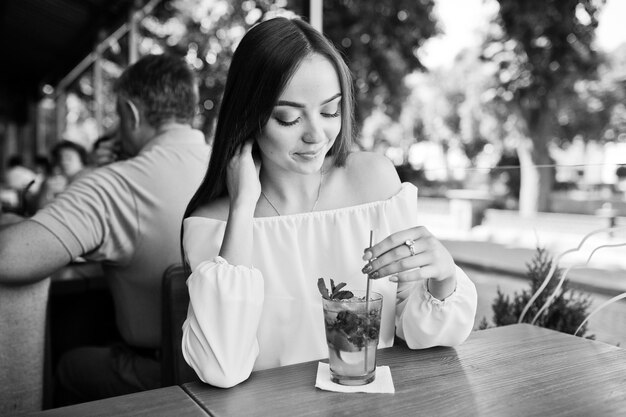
<point x="163" y="85"/>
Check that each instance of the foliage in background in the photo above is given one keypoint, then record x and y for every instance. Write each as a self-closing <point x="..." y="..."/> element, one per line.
<point x="567" y="311"/>
<point x="468" y="109"/>
<point x="542" y="52"/>
<point x="448" y="106"/>
<point x="207" y="32"/>
<point x="613" y="79"/>
<point x="380" y="41"/>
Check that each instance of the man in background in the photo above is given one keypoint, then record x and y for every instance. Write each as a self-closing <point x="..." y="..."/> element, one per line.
<point x="126" y="215"/>
<point x="18" y="176"/>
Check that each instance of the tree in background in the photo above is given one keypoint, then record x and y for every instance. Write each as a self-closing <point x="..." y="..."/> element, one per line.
<point x="613" y="80"/>
<point x="541" y="50"/>
<point x="380" y="41"/>
<point x="207" y="32"/>
<point x="462" y="107"/>
<point x="450" y="106"/>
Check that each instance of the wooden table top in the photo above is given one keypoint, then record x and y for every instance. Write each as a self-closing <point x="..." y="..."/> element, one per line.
<point x="517" y="370"/>
<point x="167" y="402"/>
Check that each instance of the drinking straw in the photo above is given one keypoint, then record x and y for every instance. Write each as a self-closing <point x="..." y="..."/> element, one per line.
<point x="367" y="303"/>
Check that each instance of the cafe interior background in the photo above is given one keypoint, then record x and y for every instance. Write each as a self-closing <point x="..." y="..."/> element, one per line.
<point x="515" y="141"/>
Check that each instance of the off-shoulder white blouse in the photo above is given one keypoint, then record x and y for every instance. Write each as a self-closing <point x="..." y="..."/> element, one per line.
<point x="242" y="319"/>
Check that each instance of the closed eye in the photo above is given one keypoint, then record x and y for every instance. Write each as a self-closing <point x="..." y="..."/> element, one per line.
<point x="331" y="115"/>
<point x="332" y="109"/>
<point x="286" y="122"/>
<point x="287" y="116"/>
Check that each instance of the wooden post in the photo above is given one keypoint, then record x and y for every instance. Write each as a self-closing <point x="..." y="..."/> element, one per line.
<point x="98" y="95"/>
<point x="61" y="112"/>
<point x="46" y="133"/>
<point x="29" y="133"/>
<point x="133" y="36"/>
<point x="316" y="11"/>
<point x="40" y="127"/>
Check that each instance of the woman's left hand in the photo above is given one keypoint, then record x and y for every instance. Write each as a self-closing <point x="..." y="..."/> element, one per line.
<point x="410" y="255"/>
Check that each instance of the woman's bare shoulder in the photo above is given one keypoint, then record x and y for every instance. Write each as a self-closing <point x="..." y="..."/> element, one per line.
<point x="373" y="174"/>
<point x="216" y="210"/>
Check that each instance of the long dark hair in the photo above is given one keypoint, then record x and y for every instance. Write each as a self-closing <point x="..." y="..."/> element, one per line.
<point x="264" y="62"/>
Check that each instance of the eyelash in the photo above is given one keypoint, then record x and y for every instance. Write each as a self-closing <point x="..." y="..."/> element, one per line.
<point x="283" y="123"/>
<point x="327" y="115"/>
<point x="332" y="115"/>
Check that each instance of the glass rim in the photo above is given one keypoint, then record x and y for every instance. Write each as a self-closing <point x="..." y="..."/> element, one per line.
<point x="374" y="296"/>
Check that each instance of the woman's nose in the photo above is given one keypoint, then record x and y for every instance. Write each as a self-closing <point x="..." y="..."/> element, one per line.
<point x="314" y="131"/>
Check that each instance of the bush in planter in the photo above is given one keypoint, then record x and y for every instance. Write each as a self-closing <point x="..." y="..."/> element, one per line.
<point x="568" y="309"/>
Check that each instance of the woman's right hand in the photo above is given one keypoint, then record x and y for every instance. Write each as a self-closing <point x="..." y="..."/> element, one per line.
<point x="242" y="176"/>
<point x="244" y="189"/>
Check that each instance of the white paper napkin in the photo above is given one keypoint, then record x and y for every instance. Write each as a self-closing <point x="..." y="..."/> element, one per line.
<point x="381" y="384"/>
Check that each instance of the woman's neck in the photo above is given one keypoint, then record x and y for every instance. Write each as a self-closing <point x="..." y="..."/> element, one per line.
<point x="291" y="193"/>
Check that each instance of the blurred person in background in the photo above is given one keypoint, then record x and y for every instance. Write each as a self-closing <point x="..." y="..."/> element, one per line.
<point x="18" y="176"/>
<point x="620" y="172"/>
<point x="19" y="181"/>
<point x="127" y="216"/>
<point x="71" y="159"/>
<point x="69" y="162"/>
<point x="43" y="170"/>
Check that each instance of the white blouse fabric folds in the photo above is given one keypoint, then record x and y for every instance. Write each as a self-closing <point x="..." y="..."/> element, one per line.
<point x="243" y="319"/>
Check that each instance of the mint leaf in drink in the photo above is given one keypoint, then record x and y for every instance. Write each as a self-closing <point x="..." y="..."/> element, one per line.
<point x="336" y="292"/>
<point x="321" y="286"/>
<point x="342" y="295"/>
<point x="338" y="287"/>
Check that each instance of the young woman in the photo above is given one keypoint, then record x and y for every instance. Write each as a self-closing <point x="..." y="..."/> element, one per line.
<point x="284" y="202"/>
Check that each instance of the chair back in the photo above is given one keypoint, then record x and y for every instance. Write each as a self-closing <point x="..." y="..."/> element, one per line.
<point x="23" y="312"/>
<point x="590" y="245"/>
<point x="175" y="370"/>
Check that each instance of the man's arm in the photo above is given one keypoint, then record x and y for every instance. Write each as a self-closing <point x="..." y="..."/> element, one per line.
<point x="29" y="252"/>
<point x="7" y="219"/>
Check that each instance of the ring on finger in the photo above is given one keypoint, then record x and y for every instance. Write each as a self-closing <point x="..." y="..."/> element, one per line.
<point x="411" y="245"/>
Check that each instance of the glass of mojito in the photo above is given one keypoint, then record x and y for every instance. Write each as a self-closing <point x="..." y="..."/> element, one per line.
<point x="352" y="328"/>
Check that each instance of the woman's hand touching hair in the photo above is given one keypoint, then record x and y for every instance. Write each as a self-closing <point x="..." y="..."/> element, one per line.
<point x="242" y="176"/>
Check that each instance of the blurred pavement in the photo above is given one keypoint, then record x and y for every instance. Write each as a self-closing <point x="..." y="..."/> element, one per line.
<point x="507" y="248"/>
<point x="511" y="260"/>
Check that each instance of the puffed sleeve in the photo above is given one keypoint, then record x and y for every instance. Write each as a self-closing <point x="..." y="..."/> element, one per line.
<point x="220" y="332"/>
<point x="424" y="321"/>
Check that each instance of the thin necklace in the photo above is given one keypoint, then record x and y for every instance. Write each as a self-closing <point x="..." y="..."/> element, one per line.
<point x="319" y="189"/>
